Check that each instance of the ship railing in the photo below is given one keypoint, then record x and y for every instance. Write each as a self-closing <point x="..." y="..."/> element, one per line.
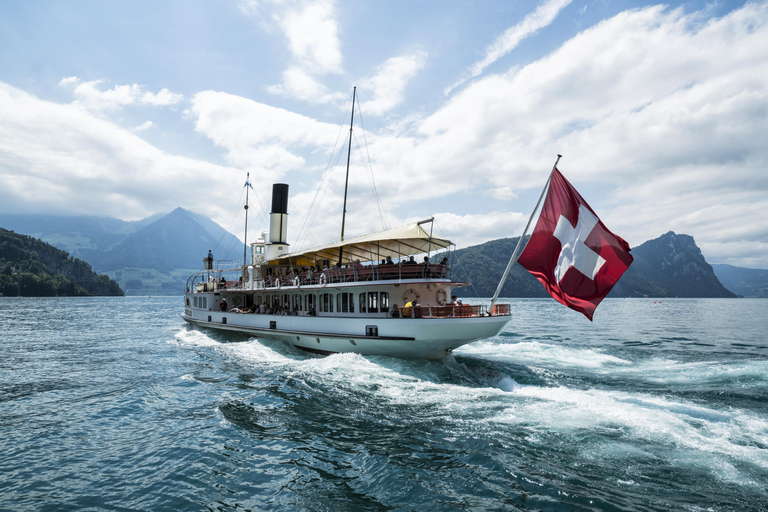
<point x="457" y="311"/>
<point x="358" y="275"/>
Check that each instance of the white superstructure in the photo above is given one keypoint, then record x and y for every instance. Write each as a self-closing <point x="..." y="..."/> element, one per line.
<point x="366" y="295"/>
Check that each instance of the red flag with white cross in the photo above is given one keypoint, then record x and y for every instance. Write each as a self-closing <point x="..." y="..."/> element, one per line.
<point x="572" y="253"/>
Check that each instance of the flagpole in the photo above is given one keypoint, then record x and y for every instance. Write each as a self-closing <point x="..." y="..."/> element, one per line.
<point x="513" y="259"/>
<point x="245" y="237"/>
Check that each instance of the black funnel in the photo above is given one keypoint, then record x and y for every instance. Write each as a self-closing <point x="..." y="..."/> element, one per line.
<point x="279" y="198"/>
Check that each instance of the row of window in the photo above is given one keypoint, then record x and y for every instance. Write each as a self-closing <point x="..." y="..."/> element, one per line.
<point x="368" y="302"/>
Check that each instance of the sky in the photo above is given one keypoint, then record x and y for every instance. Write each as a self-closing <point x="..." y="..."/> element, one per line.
<point x="131" y="108"/>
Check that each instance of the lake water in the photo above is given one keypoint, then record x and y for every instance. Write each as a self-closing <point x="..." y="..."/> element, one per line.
<point x="114" y="404"/>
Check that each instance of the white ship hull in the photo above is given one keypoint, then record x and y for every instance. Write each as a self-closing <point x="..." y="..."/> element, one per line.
<point x="429" y="338"/>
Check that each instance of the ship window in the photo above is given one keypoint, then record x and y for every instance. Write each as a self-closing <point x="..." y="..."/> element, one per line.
<point x="373" y="302"/>
<point x="309" y="302"/>
<point x="286" y="300"/>
<point x="362" y="302"/>
<point x="345" y="303"/>
<point x="384" y="302"/>
<point x="327" y="303"/>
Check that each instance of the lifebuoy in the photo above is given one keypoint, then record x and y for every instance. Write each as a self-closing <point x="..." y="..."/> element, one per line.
<point x="277" y="283"/>
<point x="441" y="297"/>
<point x="323" y="280"/>
<point x="410" y="295"/>
<point x="296" y="281"/>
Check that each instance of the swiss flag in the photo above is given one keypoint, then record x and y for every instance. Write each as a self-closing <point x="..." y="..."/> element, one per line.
<point x="572" y="253"/>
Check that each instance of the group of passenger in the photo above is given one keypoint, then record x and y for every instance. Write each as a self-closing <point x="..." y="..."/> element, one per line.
<point x="413" y="308"/>
<point x="266" y="309"/>
<point x="312" y="274"/>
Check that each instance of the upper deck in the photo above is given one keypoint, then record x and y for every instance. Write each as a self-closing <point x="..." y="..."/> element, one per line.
<point x="278" y="277"/>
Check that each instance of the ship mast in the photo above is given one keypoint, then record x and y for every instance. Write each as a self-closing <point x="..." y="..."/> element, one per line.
<point x="245" y="237"/>
<point x="346" y="181"/>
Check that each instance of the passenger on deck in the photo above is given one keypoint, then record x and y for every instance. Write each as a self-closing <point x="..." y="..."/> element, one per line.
<point x="223" y="304"/>
<point x="410" y="261"/>
<point x="358" y="264"/>
<point x="311" y="312"/>
<point x="444" y="262"/>
<point x="222" y="282"/>
<point x="389" y="261"/>
<point x="395" y="311"/>
<point x="263" y="309"/>
<point x="209" y="260"/>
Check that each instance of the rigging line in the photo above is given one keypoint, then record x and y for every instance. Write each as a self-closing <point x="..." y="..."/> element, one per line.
<point x="382" y="210"/>
<point x="231" y="222"/>
<point x="309" y="234"/>
<point x="323" y="177"/>
<point x="380" y="206"/>
<point x="322" y="191"/>
<point x="264" y="217"/>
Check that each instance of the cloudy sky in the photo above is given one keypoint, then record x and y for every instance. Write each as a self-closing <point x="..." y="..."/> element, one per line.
<point x="130" y="108"/>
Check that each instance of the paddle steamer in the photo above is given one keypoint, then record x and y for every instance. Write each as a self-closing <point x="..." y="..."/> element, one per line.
<point x="368" y="295"/>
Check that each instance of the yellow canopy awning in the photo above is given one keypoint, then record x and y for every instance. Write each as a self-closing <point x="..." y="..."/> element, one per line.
<point x="396" y="242"/>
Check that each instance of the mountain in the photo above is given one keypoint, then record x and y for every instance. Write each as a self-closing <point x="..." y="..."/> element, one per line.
<point x="484" y="264"/>
<point x="156" y="255"/>
<point x="669" y="266"/>
<point x="674" y="266"/>
<point x="150" y="256"/>
<point x="33" y="268"/>
<point x="174" y="241"/>
<point x="747" y="282"/>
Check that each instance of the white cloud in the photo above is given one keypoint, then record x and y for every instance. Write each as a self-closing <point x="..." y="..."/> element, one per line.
<point x="474" y="229"/>
<point x="388" y="84"/>
<point x="544" y="15"/>
<point x="144" y="126"/>
<point x="69" y="80"/>
<point x="91" y="96"/>
<point x="262" y="139"/>
<point x="63" y="159"/>
<point x="162" y="98"/>
<point x="501" y="193"/>
<point x="297" y="83"/>
<point x="671" y="111"/>
<point x="311" y="30"/>
<point x="312" y="33"/>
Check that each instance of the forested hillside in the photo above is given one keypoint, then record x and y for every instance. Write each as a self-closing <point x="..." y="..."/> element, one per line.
<point x="150" y="256"/>
<point x="32" y="268"/>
